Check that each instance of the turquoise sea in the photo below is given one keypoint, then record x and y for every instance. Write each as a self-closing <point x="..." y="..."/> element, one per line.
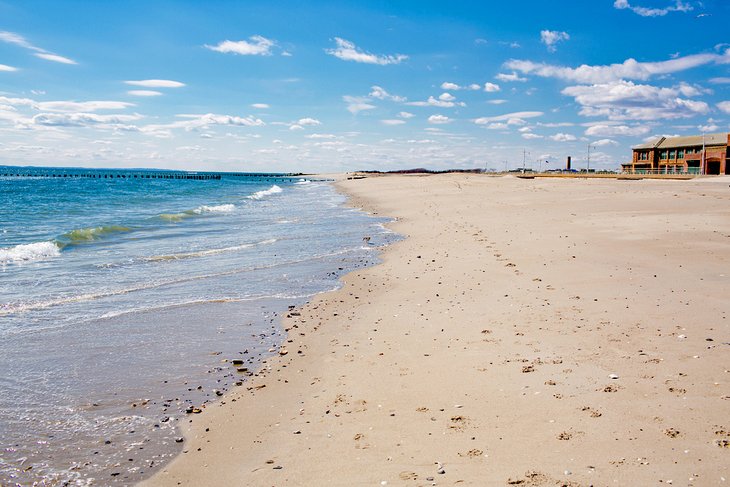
<point x="123" y="300"/>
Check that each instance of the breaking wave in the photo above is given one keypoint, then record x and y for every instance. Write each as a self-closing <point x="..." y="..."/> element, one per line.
<point x="265" y="192"/>
<point x="81" y="235"/>
<point x="29" y="252"/>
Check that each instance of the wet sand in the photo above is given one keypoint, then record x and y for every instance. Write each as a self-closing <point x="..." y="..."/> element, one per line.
<point x="526" y="332"/>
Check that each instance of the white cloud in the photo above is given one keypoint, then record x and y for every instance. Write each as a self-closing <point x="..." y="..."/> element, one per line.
<point x="405" y="115"/>
<point x="347" y="51"/>
<point x="439" y="119"/>
<point x="5" y="67"/>
<point x="144" y="93"/>
<point x="560" y="137"/>
<point x="707" y="128"/>
<point x="509" y="77"/>
<point x="724" y="106"/>
<point x="447" y="97"/>
<point x="551" y="37"/>
<point x="433" y="102"/>
<point x="308" y="122"/>
<point x="609" y="130"/>
<point x="82" y="106"/>
<point x="197" y="121"/>
<point x="624" y="100"/>
<point x="514" y="117"/>
<point x="720" y="81"/>
<point x="156" y="83"/>
<point x="491" y="87"/>
<point x="321" y="136"/>
<point x="496" y="102"/>
<point x="55" y="58"/>
<point x="604" y="142"/>
<point x="81" y="119"/>
<point x="258" y="46"/>
<point x="678" y="6"/>
<point x="629" y="69"/>
<point x="447" y="85"/>
<point x="357" y="104"/>
<point x="530" y="136"/>
<point x="381" y="94"/>
<point x="260" y="105"/>
<point x="18" y="40"/>
<point x="498" y="126"/>
<point x="393" y="122"/>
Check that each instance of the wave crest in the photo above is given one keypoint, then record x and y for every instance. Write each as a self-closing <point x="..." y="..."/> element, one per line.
<point x="28" y="252"/>
<point x="265" y="192"/>
<point x="81" y="235"/>
<point x="214" y="209"/>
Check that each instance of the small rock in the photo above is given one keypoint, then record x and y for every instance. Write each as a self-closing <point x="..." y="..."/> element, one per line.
<point x="179" y="439"/>
<point x="613" y="376"/>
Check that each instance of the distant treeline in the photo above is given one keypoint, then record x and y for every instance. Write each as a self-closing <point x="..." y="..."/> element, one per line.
<point x="420" y="170"/>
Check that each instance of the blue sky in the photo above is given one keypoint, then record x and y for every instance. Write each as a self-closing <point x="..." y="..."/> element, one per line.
<point x="319" y="86"/>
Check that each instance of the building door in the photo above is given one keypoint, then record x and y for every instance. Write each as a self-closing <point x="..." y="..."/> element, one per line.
<point x="713" y="167"/>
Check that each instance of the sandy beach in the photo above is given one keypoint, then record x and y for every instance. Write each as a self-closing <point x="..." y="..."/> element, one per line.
<point x="525" y="332"/>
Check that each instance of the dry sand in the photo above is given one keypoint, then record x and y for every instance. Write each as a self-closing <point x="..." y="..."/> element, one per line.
<point x="482" y="351"/>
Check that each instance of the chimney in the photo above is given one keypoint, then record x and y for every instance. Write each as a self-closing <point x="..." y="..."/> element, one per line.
<point x="567" y="166"/>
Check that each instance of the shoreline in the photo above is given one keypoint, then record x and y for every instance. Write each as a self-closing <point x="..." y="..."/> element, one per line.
<point x="484" y="344"/>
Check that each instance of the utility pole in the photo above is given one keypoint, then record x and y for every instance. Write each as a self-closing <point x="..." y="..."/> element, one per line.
<point x="588" y="160"/>
<point x="704" y="158"/>
<point x="524" y="159"/>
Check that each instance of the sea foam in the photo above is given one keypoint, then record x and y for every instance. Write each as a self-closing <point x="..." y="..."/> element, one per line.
<point x="214" y="209"/>
<point x="28" y="252"/>
<point x="266" y="192"/>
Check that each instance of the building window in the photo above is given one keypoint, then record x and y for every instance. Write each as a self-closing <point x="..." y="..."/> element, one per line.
<point x="643" y="156"/>
<point x="680" y="154"/>
<point x="663" y="154"/>
<point x="672" y="154"/>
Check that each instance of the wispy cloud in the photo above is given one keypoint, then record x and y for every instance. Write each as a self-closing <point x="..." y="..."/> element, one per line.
<point x="260" y="106"/>
<point x="724" y="106"/>
<point x="144" y="93"/>
<point x="678" y="6"/>
<point x="54" y="57"/>
<point x="357" y="104"/>
<point x="5" y="67"/>
<point x="442" y="102"/>
<point x="629" y="69"/>
<point x="509" y="117"/>
<point x="18" y="40"/>
<point x="509" y="77"/>
<point x="381" y="94"/>
<point x="255" y="46"/>
<point x="551" y="37"/>
<point x="156" y="83"/>
<point x="393" y="122"/>
<point x="347" y="51"/>
<point x="609" y="130"/>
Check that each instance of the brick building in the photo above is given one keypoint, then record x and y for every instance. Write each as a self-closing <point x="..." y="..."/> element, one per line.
<point x="696" y="154"/>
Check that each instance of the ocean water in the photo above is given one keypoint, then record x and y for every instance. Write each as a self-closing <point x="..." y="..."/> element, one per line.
<point x="123" y="301"/>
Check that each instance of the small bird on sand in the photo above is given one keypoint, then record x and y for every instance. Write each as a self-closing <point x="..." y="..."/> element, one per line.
<point x="366" y="239"/>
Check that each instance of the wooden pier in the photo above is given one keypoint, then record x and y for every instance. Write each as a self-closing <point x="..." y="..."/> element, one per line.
<point x="21" y="172"/>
